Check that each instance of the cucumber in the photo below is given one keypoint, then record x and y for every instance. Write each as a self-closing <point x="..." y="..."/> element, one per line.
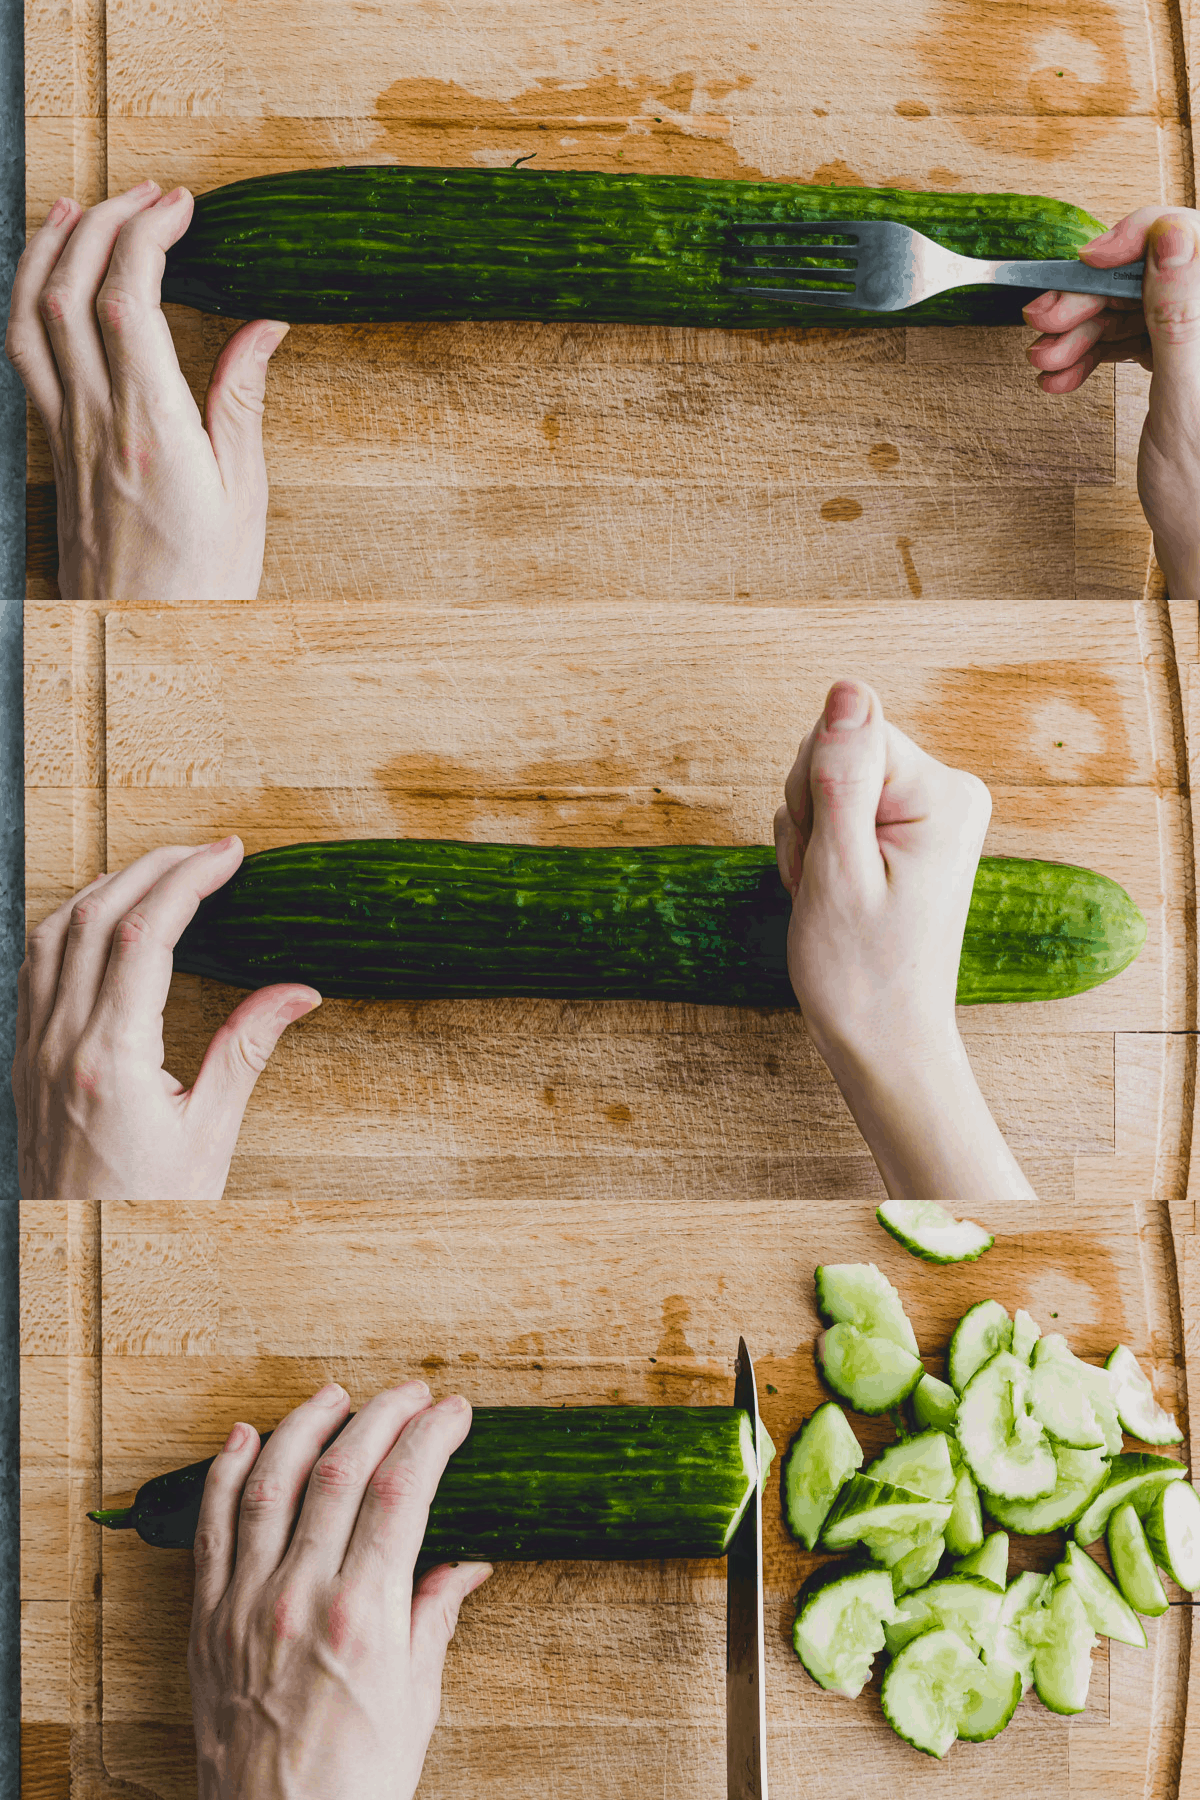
<point x="1062" y="1658"/>
<point x="983" y="1330"/>
<point x="859" y="1294"/>
<point x="921" y="1464"/>
<point x="871" y="1374"/>
<point x="1073" y="1400"/>
<point x="1137" y="1409"/>
<point x="989" y="1562"/>
<point x="537" y="1483"/>
<point x="918" y="1564"/>
<point x="817" y="1463"/>
<point x="993" y="1695"/>
<point x="958" y="1603"/>
<point x="1133" y="1565"/>
<point x="1172" y="1527"/>
<point x="1108" y="1612"/>
<point x="925" y="1690"/>
<point x="865" y="1508"/>
<point x="934" y="1403"/>
<point x="1135" y="1475"/>
<point x="1022" y="1605"/>
<point x="927" y="1230"/>
<point x="345" y="245"/>
<point x="414" y="919"/>
<point x="1025" y="1334"/>
<point x="964" y="1527"/>
<point x="1003" y="1445"/>
<point x="1079" y="1477"/>
<point x="841" y="1612"/>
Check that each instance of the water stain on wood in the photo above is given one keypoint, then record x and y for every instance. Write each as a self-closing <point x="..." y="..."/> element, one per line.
<point x="841" y="509"/>
<point x="676" y="1311"/>
<point x="1070" y="717"/>
<point x="904" y="546"/>
<point x="883" y="457"/>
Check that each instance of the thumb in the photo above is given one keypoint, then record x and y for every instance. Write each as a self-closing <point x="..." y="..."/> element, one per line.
<point x="846" y="775"/>
<point x="1171" y="302"/>
<point x="233" y="406"/>
<point x="435" y="1614"/>
<point x="240" y="1051"/>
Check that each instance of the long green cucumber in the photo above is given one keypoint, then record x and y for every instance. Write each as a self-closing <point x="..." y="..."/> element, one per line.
<point x="537" y="1483"/>
<point x="424" y="919"/>
<point x="429" y="243"/>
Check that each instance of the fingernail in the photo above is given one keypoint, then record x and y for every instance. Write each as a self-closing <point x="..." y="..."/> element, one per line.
<point x="482" y="1576"/>
<point x="453" y="1403"/>
<point x="223" y="844"/>
<point x="146" y="187"/>
<point x="297" y="1007"/>
<point x="171" y="199"/>
<point x="413" y="1387"/>
<point x="846" y="706"/>
<point x="1173" y="247"/>
<point x="60" y="211"/>
<point x="269" y="340"/>
<point x="330" y="1395"/>
<point x="236" y="1438"/>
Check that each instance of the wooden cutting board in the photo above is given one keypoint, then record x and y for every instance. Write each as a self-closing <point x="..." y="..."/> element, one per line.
<point x="588" y="585"/>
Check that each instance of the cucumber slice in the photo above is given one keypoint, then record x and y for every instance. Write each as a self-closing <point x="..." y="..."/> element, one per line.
<point x="871" y="1374"/>
<point x="1062" y="1659"/>
<point x="859" y="1294"/>
<point x="927" y="1230"/>
<point x="983" y="1330"/>
<point x="1072" y="1399"/>
<point x="1172" y="1527"/>
<point x="964" y="1527"/>
<point x="1005" y="1447"/>
<point x="1133" y="1564"/>
<point x="840" y="1616"/>
<point x="1026" y="1332"/>
<point x="934" y="1403"/>
<point x="865" y="1508"/>
<point x="1081" y="1475"/>
<point x="918" y="1565"/>
<point x="925" y="1690"/>
<point x="959" y="1603"/>
<point x="989" y="1562"/>
<point x="816" y="1465"/>
<point x="1135" y="1475"/>
<point x="921" y="1464"/>
<point x="1023" y="1602"/>
<point x="1109" y="1613"/>
<point x="1137" y="1409"/>
<point x="993" y="1695"/>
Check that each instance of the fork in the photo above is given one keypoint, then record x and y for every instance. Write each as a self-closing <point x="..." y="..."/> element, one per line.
<point x="878" y="265"/>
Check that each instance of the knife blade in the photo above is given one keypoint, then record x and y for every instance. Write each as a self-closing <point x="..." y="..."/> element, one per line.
<point x="745" y="1699"/>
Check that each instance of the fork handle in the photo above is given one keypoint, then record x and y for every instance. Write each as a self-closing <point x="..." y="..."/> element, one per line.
<point x="1071" y="278"/>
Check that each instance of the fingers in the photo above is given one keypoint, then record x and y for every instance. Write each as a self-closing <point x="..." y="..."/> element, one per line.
<point x="1171" y="299"/>
<point x="68" y="299"/>
<point x="789" y="854"/>
<point x="848" y="762"/>
<point x="27" y="343"/>
<point x="44" y="959"/>
<point x="435" y="1614"/>
<point x="1124" y="242"/>
<point x="233" y="407"/>
<point x="238" y="1054"/>
<point x="274" y="1489"/>
<point x="339" y="1481"/>
<point x="395" y="1508"/>
<point x="215" y="1543"/>
<point x="142" y="363"/>
<point x="1056" y="312"/>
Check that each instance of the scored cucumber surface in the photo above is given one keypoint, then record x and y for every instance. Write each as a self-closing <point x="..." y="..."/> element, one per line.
<point x="395" y="242"/>
<point x="432" y="919"/>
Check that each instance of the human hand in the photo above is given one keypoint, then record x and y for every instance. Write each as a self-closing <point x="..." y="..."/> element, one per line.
<point x="153" y="502"/>
<point x="316" y="1671"/>
<point x="98" y="1117"/>
<point x="878" y="844"/>
<point x="1161" y="332"/>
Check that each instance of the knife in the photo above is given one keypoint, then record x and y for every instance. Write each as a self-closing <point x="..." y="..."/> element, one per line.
<point x="745" y="1699"/>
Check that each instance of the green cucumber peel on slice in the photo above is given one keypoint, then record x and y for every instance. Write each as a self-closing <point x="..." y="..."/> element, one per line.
<point x="1004" y="1446"/>
<point x="925" y="1690"/>
<point x="1072" y="1399"/>
<point x="1135" y="1475"/>
<point x="1172" y="1527"/>
<point x="964" y="1527"/>
<point x="1062" y="1658"/>
<point x="1080" y="1475"/>
<point x="993" y="1695"/>
<point x="871" y="1374"/>
<point x="922" y="1464"/>
<point x="1023" y="1601"/>
<point x="817" y="1463"/>
<point x="1109" y="1613"/>
<point x="867" y="1511"/>
<point x="928" y="1231"/>
<point x="960" y="1603"/>
<point x="1138" y="1410"/>
<point x="983" y="1331"/>
<point x="1025" y="1334"/>
<point x="1133" y="1564"/>
<point x="934" y="1404"/>
<point x="841" y="1612"/>
<point x="989" y="1562"/>
<point x="859" y="1294"/>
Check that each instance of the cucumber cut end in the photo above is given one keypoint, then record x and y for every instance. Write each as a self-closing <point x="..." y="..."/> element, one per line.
<point x="1172" y="1528"/>
<point x="117" y="1518"/>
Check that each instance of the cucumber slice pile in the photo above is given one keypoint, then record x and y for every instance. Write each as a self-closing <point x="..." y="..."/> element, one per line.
<point x="927" y="1689"/>
<point x="1139" y="1412"/>
<point x="841" y="1614"/>
<point x="1080" y="1476"/>
<point x="961" y="1603"/>
<point x="1005" y="1446"/>
<point x="869" y="1355"/>
<point x="927" y="1230"/>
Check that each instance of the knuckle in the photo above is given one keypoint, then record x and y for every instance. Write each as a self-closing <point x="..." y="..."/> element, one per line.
<point x="208" y="1547"/>
<point x="397" y="1486"/>
<point x="115" y="305"/>
<point x="337" y="1472"/>
<point x="250" y="1052"/>
<point x="56" y="301"/>
<point x="134" y="929"/>
<point x="263" y="1496"/>
<point x="83" y="1073"/>
<point x="86" y="913"/>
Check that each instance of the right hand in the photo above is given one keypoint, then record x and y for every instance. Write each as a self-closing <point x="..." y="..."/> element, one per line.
<point x="316" y="1670"/>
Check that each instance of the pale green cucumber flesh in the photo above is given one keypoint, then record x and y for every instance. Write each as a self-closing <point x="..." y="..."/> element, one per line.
<point x="1172" y="1527"/>
<point x="918" y="1565"/>
<point x="984" y="1329"/>
<point x="934" y="1404"/>
<point x="1022" y="1602"/>
<point x="865" y="1507"/>
<point x="1062" y="1660"/>
<point x="840" y="1615"/>
<point x="921" y="1464"/>
<point x="1005" y="1448"/>
<point x="1073" y="1400"/>
<point x="1080" y="1475"/>
<point x="816" y="1465"/>
<point x="993" y="1695"/>
<point x="859" y="1294"/>
<point x="1135" y="1475"/>
<point x="871" y="1374"/>
<point x="1025" y="1334"/>
<point x="964" y="1527"/>
<point x="1133" y="1565"/>
<point x="1109" y="1613"/>
<point x="960" y="1603"/>
<point x="1137" y="1409"/>
<point x="925" y="1689"/>
<point x="928" y="1231"/>
<point x="989" y="1562"/>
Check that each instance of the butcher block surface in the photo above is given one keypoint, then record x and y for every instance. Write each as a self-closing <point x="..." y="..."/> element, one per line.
<point x="589" y="585"/>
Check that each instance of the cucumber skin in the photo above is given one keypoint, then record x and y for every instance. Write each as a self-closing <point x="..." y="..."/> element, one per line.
<point x="1139" y="1472"/>
<point x="422" y="919"/>
<point x="387" y="242"/>
<point x="548" y="1483"/>
<point x="802" y="1537"/>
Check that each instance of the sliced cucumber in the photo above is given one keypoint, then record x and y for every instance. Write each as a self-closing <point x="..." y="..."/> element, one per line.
<point x="1072" y="1399"/>
<point x="1023" y="1602"/>
<point x="989" y="1562"/>
<point x="1172" y="1527"/>
<point x="840" y="1617"/>
<point x="871" y="1374"/>
<point x="983" y="1330"/>
<point x="1062" y="1658"/>
<point x="1005" y="1447"/>
<point x="917" y="1565"/>
<point x="1108" y="1612"/>
<point x="865" y="1508"/>
<point x="859" y="1294"/>
<point x="1133" y="1564"/>
<point x="925" y="1690"/>
<point x="1135" y="1475"/>
<point x="934" y="1403"/>
<point x="816" y="1465"/>
<point x="1080" y="1475"/>
<point x="964" y="1527"/>
<point x="927" y="1230"/>
<point x="959" y="1603"/>
<point x="1026" y="1332"/>
<point x="993" y="1695"/>
<point x="921" y="1464"/>
<point x="1137" y="1409"/>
